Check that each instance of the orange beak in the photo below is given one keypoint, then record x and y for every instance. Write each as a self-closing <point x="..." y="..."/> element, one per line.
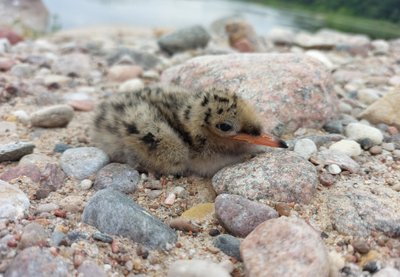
<point x="263" y="139"/>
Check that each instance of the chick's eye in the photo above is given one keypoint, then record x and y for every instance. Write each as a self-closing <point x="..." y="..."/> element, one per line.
<point x="225" y="127"/>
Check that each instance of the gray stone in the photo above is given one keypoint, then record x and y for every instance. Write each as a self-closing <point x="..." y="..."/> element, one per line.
<point x="13" y="201"/>
<point x="82" y="162"/>
<point x="305" y="148"/>
<point x="358" y="131"/>
<point x="284" y="247"/>
<point x="327" y="157"/>
<point x="277" y="175"/>
<point x="73" y="64"/>
<point x="334" y="127"/>
<point x="239" y="215"/>
<point x="117" y="176"/>
<point x="90" y="269"/>
<point x="196" y="268"/>
<point x="33" y="234"/>
<point x="53" y="116"/>
<point x="114" y="213"/>
<point x="15" y="151"/>
<point x="229" y="245"/>
<point x="184" y="39"/>
<point x="35" y="261"/>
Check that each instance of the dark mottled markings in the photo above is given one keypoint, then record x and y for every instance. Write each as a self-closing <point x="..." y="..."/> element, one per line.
<point x="187" y="112"/>
<point x="150" y="140"/>
<point x="220" y="111"/>
<point x="207" y="117"/>
<point x="131" y="128"/>
<point x="221" y="99"/>
<point x="233" y="106"/>
<point x="200" y="142"/>
<point x="251" y="130"/>
<point x="119" y="107"/>
<point x="112" y="129"/>
<point x="205" y="101"/>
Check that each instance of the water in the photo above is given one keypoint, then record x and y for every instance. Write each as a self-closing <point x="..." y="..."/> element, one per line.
<point x="170" y="13"/>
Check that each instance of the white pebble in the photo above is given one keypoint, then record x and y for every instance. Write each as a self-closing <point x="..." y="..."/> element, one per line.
<point x="22" y="116"/>
<point x="334" y="169"/>
<point x="305" y="148"/>
<point x="170" y="200"/>
<point x="85" y="184"/>
<point x="357" y="131"/>
<point x="178" y="190"/>
<point x="131" y="85"/>
<point x="348" y="147"/>
<point x="389" y="146"/>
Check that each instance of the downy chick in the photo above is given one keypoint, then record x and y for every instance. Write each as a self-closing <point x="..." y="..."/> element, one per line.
<point x="168" y="130"/>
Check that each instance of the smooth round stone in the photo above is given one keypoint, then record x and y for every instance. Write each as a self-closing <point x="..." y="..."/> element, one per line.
<point x="368" y="96"/>
<point x="85" y="184"/>
<point x="388" y="146"/>
<point x="82" y="162"/>
<point x="349" y="147"/>
<point x="229" y="245"/>
<point x="380" y="46"/>
<point x="334" y="169"/>
<point x="357" y="131"/>
<point x="334" y="127"/>
<point x="53" y="116"/>
<point x="40" y="160"/>
<point x="305" y="148"/>
<point x="375" y="150"/>
<point x="117" y="176"/>
<point x="196" y="268"/>
<point x="13" y="201"/>
<point x="124" y="72"/>
<point x="15" y="151"/>
<point x="131" y="85"/>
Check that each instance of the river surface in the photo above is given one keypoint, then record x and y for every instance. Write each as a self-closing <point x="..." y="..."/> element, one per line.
<point x="68" y="14"/>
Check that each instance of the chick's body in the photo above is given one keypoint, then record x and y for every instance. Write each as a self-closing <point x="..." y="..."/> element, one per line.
<point x="173" y="131"/>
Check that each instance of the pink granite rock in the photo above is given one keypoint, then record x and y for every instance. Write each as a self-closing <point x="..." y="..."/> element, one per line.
<point x="31" y="171"/>
<point x="284" y="247"/>
<point x="289" y="90"/>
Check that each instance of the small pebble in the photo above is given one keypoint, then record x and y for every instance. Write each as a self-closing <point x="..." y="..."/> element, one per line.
<point x="283" y="209"/>
<point x="196" y="268"/>
<point x="326" y="179"/>
<point x="371" y="267"/>
<point x="102" y="237"/>
<point x="85" y="184"/>
<point x="53" y="116"/>
<point x="229" y="245"/>
<point x="48" y="207"/>
<point x="170" y="200"/>
<point x="334" y="127"/>
<point x="334" y="169"/>
<point x="375" y="150"/>
<point x="388" y="146"/>
<point x="305" y="148"/>
<point x="358" y="131"/>
<point x="183" y="225"/>
<point x="61" y="147"/>
<point x="348" y="147"/>
<point x="361" y="246"/>
<point x="15" y="151"/>
<point x="214" y="232"/>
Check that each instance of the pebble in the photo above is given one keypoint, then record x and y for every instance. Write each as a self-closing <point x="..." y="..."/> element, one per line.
<point x="358" y="131"/>
<point x="52" y="179"/>
<point x="229" y="245"/>
<point x="47" y="207"/>
<point x="85" y="184"/>
<point x="349" y="147"/>
<point x="102" y="237"/>
<point x="53" y="116"/>
<point x="131" y="85"/>
<point x="334" y="127"/>
<point x="239" y="215"/>
<point x="75" y="64"/>
<point x="13" y="201"/>
<point x="31" y="171"/>
<point x="334" y="169"/>
<point x="121" y="177"/>
<point x="196" y="268"/>
<point x="114" y="213"/>
<point x="284" y="247"/>
<point x="170" y="199"/>
<point x="305" y="148"/>
<point x="320" y="56"/>
<point x="89" y="268"/>
<point x="72" y="203"/>
<point x="184" y="39"/>
<point x="61" y="147"/>
<point x="277" y="175"/>
<point x="22" y="70"/>
<point x="122" y="73"/>
<point x="36" y="261"/>
<point x="54" y="80"/>
<point x="326" y="179"/>
<point x="327" y="157"/>
<point x="82" y="162"/>
<point x="380" y="47"/>
<point x="81" y="105"/>
<point x="125" y="55"/>
<point x="361" y="246"/>
<point x="375" y="150"/>
<point x="15" y="151"/>
<point x="368" y="96"/>
<point x="33" y="234"/>
<point x="37" y="159"/>
<point x="389" y="146"/>
<point x="183" y="224"/>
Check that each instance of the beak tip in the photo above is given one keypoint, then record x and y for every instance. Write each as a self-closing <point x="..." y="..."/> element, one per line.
<point x="283" y="144"/>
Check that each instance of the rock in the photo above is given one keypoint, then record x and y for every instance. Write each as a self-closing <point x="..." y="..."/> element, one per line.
<point x="199" y="212"/>
<point x="387" y="272"/>
<point x="239" y="215"/>
<point x="52" y="179"/>
<point x="131" y="85"/>
<point x="349" y="147"/>
<point x="72" y="203"/>
<point x="61" y="147"/>
<point x="361" y="246"/>
<point x="389" y="146"/>
<point x="368" y="95"/>
<point x="102" y="237"/>
<point x="114" y="213"/>
<point x="384" y="110"/>
<point x="242" y="36"/>
<point x="15" y="151"/>
<point x="6" y="64"/>
<point x="122" y="73"/>
<point x="358" y="131"/>
<point x="37" y="159"/>
<point x="196" y="268"/>
<point x="75" y="64"/>
<point x="45" y="208"/>
<point x="334" y="169"/>
<point x="276" y="175"/>
<point x="326" y="179"/>
<point x="356" y="212"/>
<point x="380" y="47"/>
<point x="284" y="247"/>
<point x="82" y="162"/>
<point x="129" y="56"/>
<point x="283" y="87"/>
<point x="53" y="116"/>
<point x="31" y="171"/>
<point x="184" y="39"/>
<point x="279" y="35"/>
<point x="229" y="245"/>
<point x="117" y="176"/>
<point x="376" y="150"/>
<point x="89" y="268"/>
<point x="35" y="261"/>
<point x="13" y="201"/>
<point x="320" y="56"/>
<point x="311" y="41"/>
<point x="327" y="157"/>
<point x="183" y="224"/>
<point x="33" y="234"/>
<point x="85" y="184"/>
<point x="305" y="148"/>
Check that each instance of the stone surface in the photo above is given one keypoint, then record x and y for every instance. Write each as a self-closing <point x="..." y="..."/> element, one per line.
<point x="239" y="215"/>
<point x="15" y="151"/>
<point x="199" y="212"/>
<point x="357" y="131"/>
<point x="114" y="213"/>
<point x="368" y="96"/>
<point x="384" y="110"/>
<point x="196" y="268"/>
<point x="387" y="272"/>
<point x="13" y="201"/>
<point x="184" y="39"/>
<point x="82" y="162"/>
<point x="229" y="245"/>
<point x="242" y="36"/>
<point x="124" y="72"/>
<point x="284" y="247"/>
<point x="283" y="87"/>
<point x="124" y="55"/>
<point x="305" y="148"/>
<point x="346" y="146"/>
<point x="327" y="157"/>
<point x="33" y="234"/>
<point x="117" y="176"/>
<point x="53" y="116"/>
<point x="31" y="171"/>
<point x="89" y="268"/>
<point x="35" y="261"/>
<point x="278" y="175"/>
<point x="52" y="179"/>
